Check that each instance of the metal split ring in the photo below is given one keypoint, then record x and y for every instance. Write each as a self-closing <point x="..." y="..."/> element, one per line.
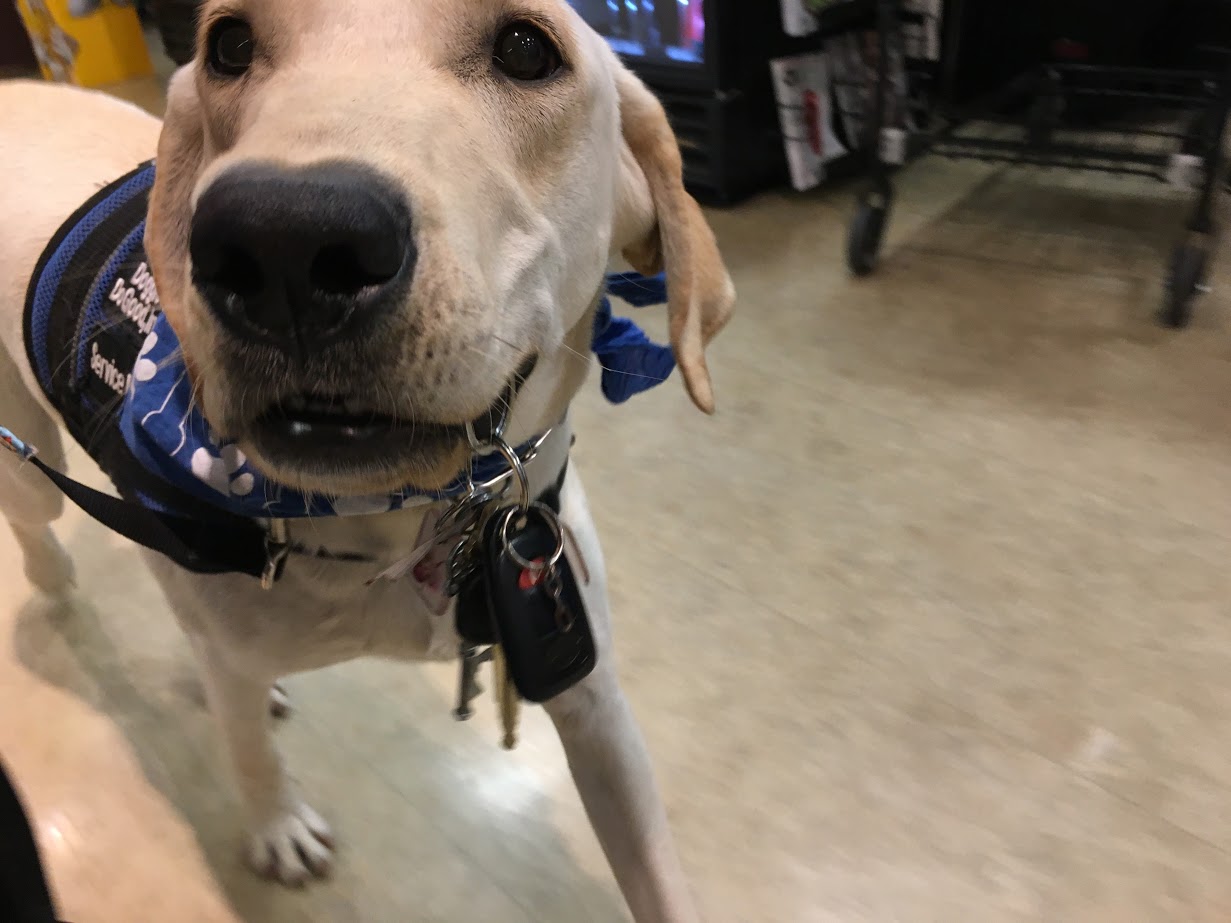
<point x="517" y="469"/>
<point x="484" y="446"/>
<point x="495" y="484"/>
<point x="468" y="506"/>
<point x="553" y="523"/>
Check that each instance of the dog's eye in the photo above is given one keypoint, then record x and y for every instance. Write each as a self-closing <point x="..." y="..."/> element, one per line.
<point x="525" y="53"/>
<point x="230" y="47"/>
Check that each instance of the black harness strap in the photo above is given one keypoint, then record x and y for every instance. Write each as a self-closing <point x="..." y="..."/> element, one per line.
<point x="239" y="546"/>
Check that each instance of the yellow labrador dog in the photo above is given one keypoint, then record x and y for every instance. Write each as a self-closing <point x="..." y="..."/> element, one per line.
<point x="497" y="154"/>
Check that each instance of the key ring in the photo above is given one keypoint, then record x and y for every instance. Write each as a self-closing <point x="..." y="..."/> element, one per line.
<point x="486" y="446"/>
<point x="553" y="523"/>
<point x="516" y="467"/>
<point x="470" y="503"/>
<point x="530" y="452"/>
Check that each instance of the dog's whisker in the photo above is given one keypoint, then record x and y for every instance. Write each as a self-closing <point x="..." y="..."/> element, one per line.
<point x="586" y="358"/>
<point x="173" y="358"/>
<point x="71" y="356"/>
<point x="592" y="358"/>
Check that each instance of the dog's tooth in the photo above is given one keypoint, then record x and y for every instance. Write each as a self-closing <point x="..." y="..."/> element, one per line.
<point x="325" y="404"/>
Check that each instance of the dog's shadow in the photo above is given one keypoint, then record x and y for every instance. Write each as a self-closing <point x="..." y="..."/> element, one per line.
<point x="135" y="667"/>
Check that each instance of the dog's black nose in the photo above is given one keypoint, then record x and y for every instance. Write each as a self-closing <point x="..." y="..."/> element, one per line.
<point x="301" y="257"/>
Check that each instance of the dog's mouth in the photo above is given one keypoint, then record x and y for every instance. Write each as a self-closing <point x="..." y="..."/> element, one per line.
<point x="330" y="434"/>
<point x="322" y="443"/>
<point x="335" y="432"/>
<point x="321" y="420"/>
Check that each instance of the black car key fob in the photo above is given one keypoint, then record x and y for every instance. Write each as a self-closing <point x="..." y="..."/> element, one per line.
<point x="535" y="604"/>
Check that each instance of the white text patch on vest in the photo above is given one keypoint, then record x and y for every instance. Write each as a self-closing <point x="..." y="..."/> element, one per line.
<point x="138" y="298"/>
<point x="107" y="371"/>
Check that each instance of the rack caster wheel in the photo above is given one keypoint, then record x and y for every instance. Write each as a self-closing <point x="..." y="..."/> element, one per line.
<point x="1184" y="281"/>
<point x="867" y="230"/>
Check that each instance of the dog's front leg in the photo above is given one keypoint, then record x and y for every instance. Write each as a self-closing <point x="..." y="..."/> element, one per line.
<point x="608" y="756"/>
<point x="611" y="767"/>
<point x="287" y="839"/>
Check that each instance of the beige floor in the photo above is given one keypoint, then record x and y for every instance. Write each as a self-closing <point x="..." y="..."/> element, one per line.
<point x="929" y="624"/>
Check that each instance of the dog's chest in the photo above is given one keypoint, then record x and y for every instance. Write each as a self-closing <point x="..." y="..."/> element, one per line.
<point x="360" y="607"/>
<point x="319" y="614"/>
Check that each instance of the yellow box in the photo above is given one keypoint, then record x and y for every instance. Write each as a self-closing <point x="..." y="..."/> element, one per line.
<point x="101" y="47"/>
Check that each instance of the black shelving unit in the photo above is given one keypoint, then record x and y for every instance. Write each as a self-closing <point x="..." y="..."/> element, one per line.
<point x="1164" y="119"/>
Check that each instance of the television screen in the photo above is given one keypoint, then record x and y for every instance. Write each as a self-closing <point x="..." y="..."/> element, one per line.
<point x="662" y="31"/>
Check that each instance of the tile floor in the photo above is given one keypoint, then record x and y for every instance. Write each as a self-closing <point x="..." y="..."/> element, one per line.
<point x="931" y="623"/>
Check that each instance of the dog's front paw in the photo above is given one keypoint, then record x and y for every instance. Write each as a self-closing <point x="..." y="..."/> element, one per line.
<point x="293" y="847"/>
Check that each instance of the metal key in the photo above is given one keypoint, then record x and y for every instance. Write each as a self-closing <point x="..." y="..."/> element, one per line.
<point x="508" y="697"/>
<point x="468" y="688"/>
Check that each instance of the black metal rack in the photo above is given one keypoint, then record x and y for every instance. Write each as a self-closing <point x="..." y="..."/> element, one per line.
<point x="1160" y="122"/>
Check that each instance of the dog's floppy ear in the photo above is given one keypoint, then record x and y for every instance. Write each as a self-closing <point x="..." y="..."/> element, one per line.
<point x="659" y="225"/>
<point x="181" y="151"/>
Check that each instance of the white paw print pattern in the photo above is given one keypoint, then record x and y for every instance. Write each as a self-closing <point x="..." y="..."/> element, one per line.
<point x="146" y="368"/>
<point x="221" y="471"/>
